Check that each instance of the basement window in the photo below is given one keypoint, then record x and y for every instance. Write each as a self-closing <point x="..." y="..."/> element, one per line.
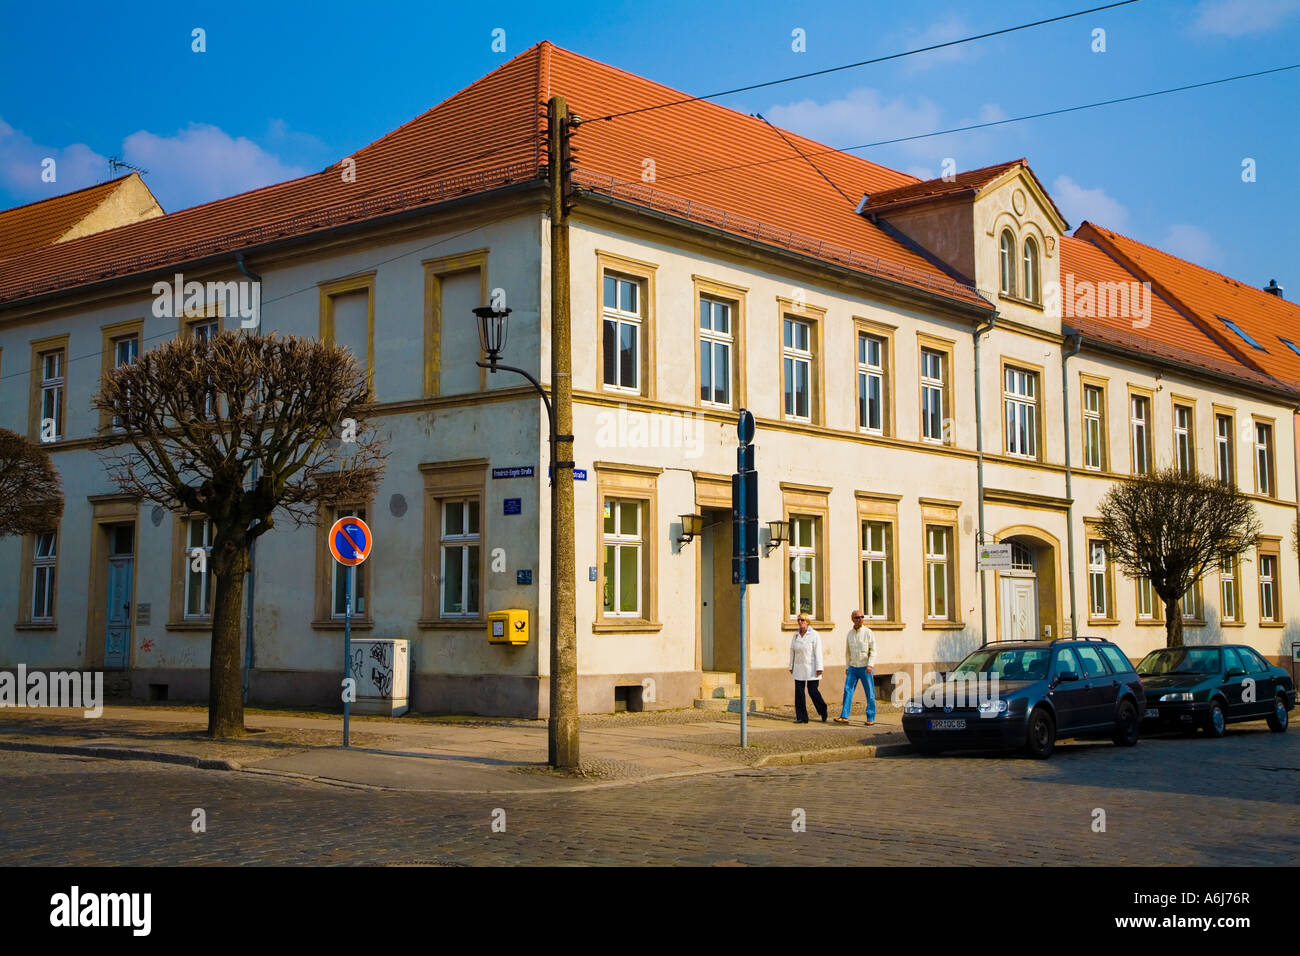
<point x="628" y="697"/>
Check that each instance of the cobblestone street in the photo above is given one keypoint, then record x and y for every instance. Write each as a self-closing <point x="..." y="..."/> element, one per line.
<point x="1167" y="801"/>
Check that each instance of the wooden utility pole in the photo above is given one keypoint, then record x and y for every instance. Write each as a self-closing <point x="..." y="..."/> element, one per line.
<point x="563" y="728"/>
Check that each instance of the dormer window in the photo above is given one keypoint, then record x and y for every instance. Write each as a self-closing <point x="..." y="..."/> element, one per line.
<point x="1030" y="261"/>
<point x="1007" y="260"/>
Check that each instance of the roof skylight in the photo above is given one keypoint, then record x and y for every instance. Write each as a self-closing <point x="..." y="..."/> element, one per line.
<point x="1242" y="333"/>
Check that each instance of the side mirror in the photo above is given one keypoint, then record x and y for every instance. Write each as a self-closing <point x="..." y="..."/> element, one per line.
<point x="1066" y="676"/>
<point x="1236" y="672"/>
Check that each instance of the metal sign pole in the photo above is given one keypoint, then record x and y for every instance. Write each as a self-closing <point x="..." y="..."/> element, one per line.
<point x="347" y="648"/>
<point x="744" y="664"/>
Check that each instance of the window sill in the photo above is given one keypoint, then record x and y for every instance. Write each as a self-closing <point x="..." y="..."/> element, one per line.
<point x="36" y="626"/>
<point x="885" y="625"/>
<point x="452" y="624"/>
<point x="815" y="625"/>
<point x="621" y="627"/>
<point x="1103" y="621"/>
<point x="944" y="625"/>
<point x="189" y="625"/>
<point x="1272" y="624"/>
<point x="1232" y="624"/>
<point x="1142" y="623"/>
<point x="1028" y="303"/>
<point x="1194" y="622"/>
<point x="358" y="624"/>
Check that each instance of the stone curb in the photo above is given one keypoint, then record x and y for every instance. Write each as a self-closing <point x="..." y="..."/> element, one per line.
<point x="834" y="754"/>
<point x="124" y="753"/>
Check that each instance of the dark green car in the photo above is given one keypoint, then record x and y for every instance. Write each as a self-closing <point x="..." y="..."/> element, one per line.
<point x="1211" y="687"/>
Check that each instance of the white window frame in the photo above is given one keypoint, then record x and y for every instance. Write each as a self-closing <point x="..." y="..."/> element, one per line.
<point x="45" y="555"/>
<point x="876" y="563"/>
<point x="359" y="595"/>
<point x="932" y="388"/>
<point x="869" y="372"/>
<point x="794" y="356"/>
<point x="716" y="342"/>
<point x="1146" y="600"/>
<point x="803" y="556"/>
<point x="1098" y="576"/>
<point x="1224" y="466"/>
<point x="1093" y="428"/>
<point x="1228" y="592"/>
<point x="1184" y="456"/>
<point x="1007" y="262"/>
<point x="469" y="544"/>
<point x="1268" y="588"/>
<point x="633" y="319"/>
<point x="938" y="567"/>
<point x="204" y="574"/>
<point x="622" y="541"/>
<point x="1264" y="458"/>
<point x="1195" y="612"/>
<point x="1029" y="262"/>
<point x="1140" y="425"/>
<point x="1020" y="396"/>
<point x="53" y="388"/>
<point x="133" y="355"/>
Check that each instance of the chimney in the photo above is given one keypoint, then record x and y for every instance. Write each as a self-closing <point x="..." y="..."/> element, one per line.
<point x="1274" y="289"/>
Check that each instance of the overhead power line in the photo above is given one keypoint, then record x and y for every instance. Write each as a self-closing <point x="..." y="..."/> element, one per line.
<point x="854" y="66"/>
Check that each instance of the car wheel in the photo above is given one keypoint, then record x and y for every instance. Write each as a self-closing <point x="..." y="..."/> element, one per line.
<point x="1278" y="720"/>
<point x="1126" y="725"/>
<point x="1041" y="738"/>
<point x="1217" y="722"/>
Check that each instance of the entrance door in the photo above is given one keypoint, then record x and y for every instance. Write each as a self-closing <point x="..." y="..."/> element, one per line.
<point x="707" y="598"/>
<point x="1019" y="608"/>
<point x="121" y="567"/>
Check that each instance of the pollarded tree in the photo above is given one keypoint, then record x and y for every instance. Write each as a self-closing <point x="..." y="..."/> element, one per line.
<point x="31" y="498"/>
<point x="240" y="429"/>
<point x="1174" y="529"/>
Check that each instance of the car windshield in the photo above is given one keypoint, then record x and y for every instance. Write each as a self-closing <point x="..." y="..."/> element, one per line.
<point x="1014" y="663"/>
<point x="1181" y="660"/>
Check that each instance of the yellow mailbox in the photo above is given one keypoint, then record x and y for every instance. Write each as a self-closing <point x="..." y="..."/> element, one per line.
<point x="508" y="627"/>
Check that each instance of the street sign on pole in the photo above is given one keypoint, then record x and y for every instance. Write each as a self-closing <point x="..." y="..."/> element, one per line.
<point x="349" y="543"/>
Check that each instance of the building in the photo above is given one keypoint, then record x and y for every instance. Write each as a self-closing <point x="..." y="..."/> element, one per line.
<point x="928" y="363"/>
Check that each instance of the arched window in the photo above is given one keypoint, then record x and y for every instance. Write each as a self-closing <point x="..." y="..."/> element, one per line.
<point x="1008" y="262"/>
<point x="1031" y="270"/>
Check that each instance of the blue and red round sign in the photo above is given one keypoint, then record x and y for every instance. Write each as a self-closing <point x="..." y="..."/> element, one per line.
<point x="350" y="541"/>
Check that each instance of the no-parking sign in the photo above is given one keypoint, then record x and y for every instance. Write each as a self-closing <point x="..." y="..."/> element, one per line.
<point x="350" y="541"/>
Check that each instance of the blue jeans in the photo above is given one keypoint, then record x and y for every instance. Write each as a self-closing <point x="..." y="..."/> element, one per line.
<point x="851" y="677"/>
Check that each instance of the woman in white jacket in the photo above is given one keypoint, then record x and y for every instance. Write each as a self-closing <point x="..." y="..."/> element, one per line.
<point x="806" y="666"/>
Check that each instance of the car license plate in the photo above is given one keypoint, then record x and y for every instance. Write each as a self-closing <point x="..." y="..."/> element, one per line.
<point x="1153" y="712"/>
<point x="947" y="725"/>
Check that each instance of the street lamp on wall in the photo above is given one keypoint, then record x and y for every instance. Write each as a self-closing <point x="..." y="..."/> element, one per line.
<point x="492" y="331"/>
<point x="778" y="533"/>
<point x="692" y="525"/>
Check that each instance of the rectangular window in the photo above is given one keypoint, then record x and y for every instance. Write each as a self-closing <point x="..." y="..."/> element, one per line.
<point x="622" y="323"/>
<point x="716" y="340"/>
<point x="871" y="383"/>
<point x="198" y="571"/>
<point x="1020" y="397"/>
<point x="460" y="558"/>
<point x="1098" y="580"/>
<point x="339" y="578"/>
<point x="623" y="557"/>
<point x="1191" y="604"/>
<point x="1140" y="427"/>
<point x="52" y="395"/>
<point x="1223" y="449"/>
<point x="204" y="330"/>
<point x="797" y="369"/>
<point x="1184" y="440"/>
<point x="44" y="556"/>
<point x="1268" y="588"/>
<point x="877" y="587"/>
<point x="1264" y="460"/>
<point x="125" y="352"/>
<point x="938" y="573"/>
<point x="932" y="394"/>
<point x="1094" y="400"/>
<point x="1228" y="590"/>
<point x="803" y="565"/>
<point x="1146" y="600"/>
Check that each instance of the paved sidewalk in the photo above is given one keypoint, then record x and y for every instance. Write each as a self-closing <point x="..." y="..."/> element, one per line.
<point x="451" y="754"/>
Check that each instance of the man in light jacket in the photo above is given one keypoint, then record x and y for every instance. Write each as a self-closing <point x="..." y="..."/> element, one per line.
<point x="860" y="664"/>
<point x="806" y="666"/>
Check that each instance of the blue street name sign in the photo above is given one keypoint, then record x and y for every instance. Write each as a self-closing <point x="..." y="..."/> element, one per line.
<point x="523" y="471"/>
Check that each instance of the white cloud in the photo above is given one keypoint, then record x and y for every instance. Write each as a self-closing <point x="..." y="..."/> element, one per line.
<point x="1096" y="205"/>
<point x="1234" y="18"/>
<point x="864" y="115"/>
<point x="1191" y="243"/>
<point x="201" y="163"/>
<point x="75" y="166"/>
<point x="942" y="31"/>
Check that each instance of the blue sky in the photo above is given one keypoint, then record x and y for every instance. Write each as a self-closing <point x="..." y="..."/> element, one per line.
<point x="285" y="89"/>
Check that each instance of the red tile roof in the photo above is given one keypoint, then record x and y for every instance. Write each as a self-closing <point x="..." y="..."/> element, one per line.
<point x="1210" y="297"/>
<point x="967" y="183"/>
<point x="493" y="133"/>
<point x="41" y="223"/>
<point x="1087" y="272"/>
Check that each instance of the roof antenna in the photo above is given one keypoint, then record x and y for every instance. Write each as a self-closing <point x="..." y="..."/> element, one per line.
<point x="114" y="164"/>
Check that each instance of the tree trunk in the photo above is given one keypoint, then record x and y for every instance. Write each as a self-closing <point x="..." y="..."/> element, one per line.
<point x="225" y="685"/>
<point x="1173" y="622"/>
